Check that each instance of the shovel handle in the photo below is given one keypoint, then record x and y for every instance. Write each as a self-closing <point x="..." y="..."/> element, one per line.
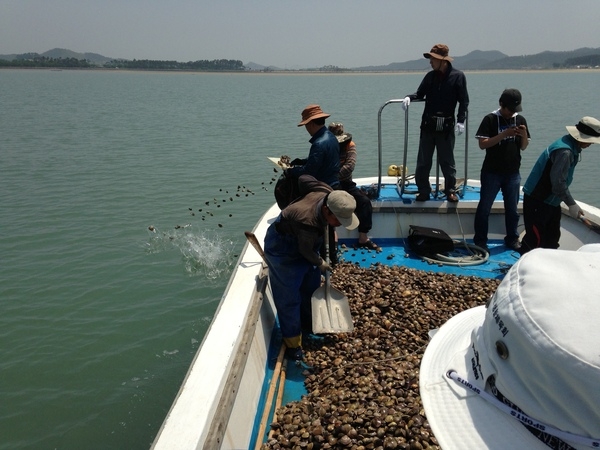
<point x="254" y="241"/>
<point x="591" y="225"/>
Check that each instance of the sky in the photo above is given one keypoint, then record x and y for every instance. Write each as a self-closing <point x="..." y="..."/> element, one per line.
<point x="296" y="33"/>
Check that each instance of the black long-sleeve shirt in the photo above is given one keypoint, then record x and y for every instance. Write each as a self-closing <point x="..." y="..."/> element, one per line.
<point x="442" y="91"/>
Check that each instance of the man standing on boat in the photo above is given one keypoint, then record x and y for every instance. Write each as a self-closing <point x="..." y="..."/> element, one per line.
<point x="442" y="88"/>
<point x="323" y="160"/>
<point x="292" y="246"/>
<point x="503" y="134"/>
<point x="548" y="185"/>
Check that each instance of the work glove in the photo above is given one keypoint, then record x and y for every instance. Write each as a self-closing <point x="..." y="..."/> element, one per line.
<point x="298" y="162"/>
<point x="459" y="128"/>
<point x="405" y="103"/>
<point x="575" y="211"/>
<point x="325" y="267"/>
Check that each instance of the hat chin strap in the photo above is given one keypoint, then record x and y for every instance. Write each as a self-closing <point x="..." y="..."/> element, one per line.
<point x="529" y="422"/>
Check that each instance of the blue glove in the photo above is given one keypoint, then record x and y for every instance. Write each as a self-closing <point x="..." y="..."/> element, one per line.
<point x="459" y="128"/>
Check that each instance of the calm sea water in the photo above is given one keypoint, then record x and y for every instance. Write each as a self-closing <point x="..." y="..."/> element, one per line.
<point x="100" y="316"/>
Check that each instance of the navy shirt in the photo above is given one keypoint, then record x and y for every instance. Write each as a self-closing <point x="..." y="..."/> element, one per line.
<point x="323" y="160"/>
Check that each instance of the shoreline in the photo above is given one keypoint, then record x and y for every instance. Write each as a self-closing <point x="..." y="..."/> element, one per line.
<point x="299" y="72"/>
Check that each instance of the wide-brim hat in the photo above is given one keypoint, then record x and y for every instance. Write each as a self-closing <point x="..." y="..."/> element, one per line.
<point x="312" y="112"/>
<point x="535" y="346"/>
<point x="587" y="130"/>
<point x="439" y="51"/>
<point x="342" y="205"/>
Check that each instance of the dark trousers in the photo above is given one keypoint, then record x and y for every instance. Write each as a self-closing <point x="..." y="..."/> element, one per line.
<point x="293" y="281"/>
<point x="428" y="142"/>
<point x="364" y="208"/>
<point x="542" y="224"/>
<point x="491" y="184"/>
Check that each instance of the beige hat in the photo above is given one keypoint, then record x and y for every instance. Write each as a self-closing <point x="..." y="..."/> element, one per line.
<point x="342" y="205"/>
<point x="587" y="130"/>
<point x="439" y="51"/>
<point x="312" y="112"/>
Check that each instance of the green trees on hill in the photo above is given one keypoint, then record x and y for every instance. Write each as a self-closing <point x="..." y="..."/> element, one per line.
<point x="143" y="64"/>
<point x="202" y="65"/>
<point x="43" y="61"/>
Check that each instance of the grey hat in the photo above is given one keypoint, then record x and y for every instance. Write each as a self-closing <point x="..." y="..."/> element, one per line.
<point x="342" y="205"/>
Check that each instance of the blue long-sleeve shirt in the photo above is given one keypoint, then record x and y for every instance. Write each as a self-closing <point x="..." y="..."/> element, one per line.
<point x="323" y="160"/>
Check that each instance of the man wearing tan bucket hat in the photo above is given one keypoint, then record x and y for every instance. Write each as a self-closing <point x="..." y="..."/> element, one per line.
<point x="442" y="88"/>
<point x="323" y="160"/>
<point x="548" y="185"/>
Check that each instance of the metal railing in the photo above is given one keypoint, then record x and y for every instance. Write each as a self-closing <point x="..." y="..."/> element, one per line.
<point x="403" y="173"/>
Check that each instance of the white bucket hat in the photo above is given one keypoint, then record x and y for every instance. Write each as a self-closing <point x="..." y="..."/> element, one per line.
<point x="532" y="356"/>
<point x="587" y="130"/>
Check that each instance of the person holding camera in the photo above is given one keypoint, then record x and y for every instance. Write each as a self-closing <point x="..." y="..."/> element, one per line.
<point x="503" y="134"/>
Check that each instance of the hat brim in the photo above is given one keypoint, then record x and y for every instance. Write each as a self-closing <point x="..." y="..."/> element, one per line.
<point x="429" y="55"/>
<point x="350" y="223"/>
<point x="344" y="138"/>
<point x="316" y="116"/>
<point x="464" y="421"/>
<point x="573" y="131"/>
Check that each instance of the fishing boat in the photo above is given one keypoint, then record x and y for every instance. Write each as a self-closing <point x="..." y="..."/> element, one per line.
<point x="238" y="376"/>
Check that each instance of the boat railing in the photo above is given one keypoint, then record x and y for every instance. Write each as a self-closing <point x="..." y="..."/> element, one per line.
<point x="403" y="172"/>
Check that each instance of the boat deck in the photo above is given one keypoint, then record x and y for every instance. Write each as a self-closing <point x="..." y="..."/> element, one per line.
<point x="396" y="252"/>
<point x="393" y="252"/>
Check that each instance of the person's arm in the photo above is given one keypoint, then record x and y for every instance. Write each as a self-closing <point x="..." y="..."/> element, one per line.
<point x="524" y="133"/>
<point x="487" y="142"/>
<point x="463" y="100"/>
<point x="306" y="242"/>
<point x="561" y="162"/>
<point x="347" y="168"/>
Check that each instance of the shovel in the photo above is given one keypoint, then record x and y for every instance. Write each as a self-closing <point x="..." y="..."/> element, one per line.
<point x="330" y="308"/>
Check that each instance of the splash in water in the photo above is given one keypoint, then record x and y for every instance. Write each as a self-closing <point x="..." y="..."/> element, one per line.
<point x="205" y="253"/>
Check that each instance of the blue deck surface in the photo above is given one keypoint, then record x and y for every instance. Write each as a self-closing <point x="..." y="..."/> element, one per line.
<point x="395" y="252"/>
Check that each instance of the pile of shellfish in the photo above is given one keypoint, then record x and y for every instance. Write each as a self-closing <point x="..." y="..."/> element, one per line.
<point x="363" y="387"/>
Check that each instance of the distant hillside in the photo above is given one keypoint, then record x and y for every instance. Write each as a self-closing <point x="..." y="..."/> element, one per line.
<point x="61" y="53"/>
<point x="495" y="60"/>
<point x="475" y="60"/>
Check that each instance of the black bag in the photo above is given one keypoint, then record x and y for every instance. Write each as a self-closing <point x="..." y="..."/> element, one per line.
<point x="286" y="190"/>
<point x="427" y="241"/>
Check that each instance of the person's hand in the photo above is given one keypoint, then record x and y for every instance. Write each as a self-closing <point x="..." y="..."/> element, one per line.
<point x="325" y="267"/>
<point x="575" y="211"/>
<point x="298" y="162"/>
<point x="405" y="103"/>
<point x="459" y="128"/>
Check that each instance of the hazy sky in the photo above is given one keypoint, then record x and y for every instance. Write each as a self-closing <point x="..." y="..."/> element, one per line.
<point x="296" y="33"/>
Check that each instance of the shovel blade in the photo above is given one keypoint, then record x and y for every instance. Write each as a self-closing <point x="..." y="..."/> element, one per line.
<point x="330" y="313"/>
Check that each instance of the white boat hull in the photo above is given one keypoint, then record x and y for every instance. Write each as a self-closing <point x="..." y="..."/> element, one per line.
<point x="218" y="400"/>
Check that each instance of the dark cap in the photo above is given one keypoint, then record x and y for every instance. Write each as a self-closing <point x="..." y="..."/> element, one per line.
<point x="511" y="99"/>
